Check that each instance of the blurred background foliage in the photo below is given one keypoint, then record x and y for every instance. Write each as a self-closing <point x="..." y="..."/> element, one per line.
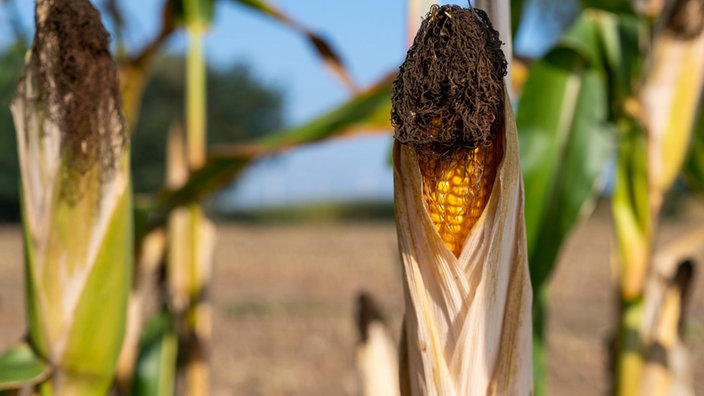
<point x="11" y="63"/>
<point x="240" y="108"/>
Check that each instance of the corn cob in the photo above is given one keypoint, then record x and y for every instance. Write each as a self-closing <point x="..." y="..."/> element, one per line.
<point x="456" y="189"/>
<point x="452" y="116"/>
<point x="76" y="198"/>
<point x="459" y="214"/>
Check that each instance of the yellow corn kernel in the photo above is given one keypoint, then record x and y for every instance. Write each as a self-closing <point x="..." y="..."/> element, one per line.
<point x="461" y="190"/>
<point x="435" y="217"/>
<point x="456" y="188"/>
<point x="443" y="187"/>
<point x="453" y="229"/>
<point x="455" y="200"/>
<point x="459" y="179"/>
<point x="456" y="210"/>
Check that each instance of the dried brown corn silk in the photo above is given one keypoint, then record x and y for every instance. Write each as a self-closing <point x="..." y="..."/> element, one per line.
<point x="448" y="103"/>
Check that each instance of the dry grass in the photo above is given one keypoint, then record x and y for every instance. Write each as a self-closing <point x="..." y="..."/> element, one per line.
<point x="284" y="300"/>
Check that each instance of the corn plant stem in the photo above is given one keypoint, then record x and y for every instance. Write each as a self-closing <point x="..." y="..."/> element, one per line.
<point x="632" y="218"/>
<point x="630" y="362"/>
<point x="540" y="352"/>
<point x="669" y="101"/>
<point x="195" y="369"/>
<point x="195" y="320"/>
<point x="194" y="276"/>
<point x="195" y="99"/>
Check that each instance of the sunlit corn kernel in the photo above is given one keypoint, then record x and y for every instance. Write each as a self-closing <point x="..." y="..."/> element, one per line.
<point x="461" y="190"/>
<point x="435" y="216"/>
<point x="455" y="200"/>
<point x="454" y="228"/>
<point x="455" y="220"/>
<point x="456" y="210"/>
<point x="443" y="187"/>
<point x="455" y="191"/>
<point x="459" y="180"/>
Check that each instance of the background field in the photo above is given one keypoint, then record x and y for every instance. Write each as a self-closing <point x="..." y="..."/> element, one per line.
<point x="284" y="302"/>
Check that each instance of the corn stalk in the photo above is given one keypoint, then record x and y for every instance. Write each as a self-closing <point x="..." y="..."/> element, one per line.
<point x="191" y="235"/>
<point x="148" y="259"/>
<point x="651" y="161"/>
<point x="459" y="214"/>
<point x="76" y="200"/>
<point x="668" y="290"/>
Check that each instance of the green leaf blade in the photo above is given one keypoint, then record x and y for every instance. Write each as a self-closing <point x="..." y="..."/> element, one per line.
<point x="155" y="372"/>
<point x="20" y="366"/>
<point x="367" y="111"/>
<point x="694" y="165"/>
<point x="563" y="125"/>
<point x="617" y="6"/>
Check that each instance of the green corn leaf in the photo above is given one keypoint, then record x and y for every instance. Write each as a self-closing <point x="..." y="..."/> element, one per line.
<point x="367" y="111"/>
<point x="155" y="372"/>
<point x="516" y="14"/>
<point x="193" y="14"/>
<point x="20" y="366"/>
<point x="694" y="165"/>
<point x="325" y="50"/>
<point x="617" y="6"/>
<point x="264" y="7"/>
<point x="620" y="51"/>
<point x="563" y="121"/>
<point x="575" y="98"/>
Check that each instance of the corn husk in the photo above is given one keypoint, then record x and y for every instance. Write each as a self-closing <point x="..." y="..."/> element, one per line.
<point x="670" y="99"/>
<point x="76" y="198"/>
<point x="468" y="319"/>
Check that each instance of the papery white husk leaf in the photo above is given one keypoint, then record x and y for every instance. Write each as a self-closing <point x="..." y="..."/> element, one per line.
<point x="468" y="320"/>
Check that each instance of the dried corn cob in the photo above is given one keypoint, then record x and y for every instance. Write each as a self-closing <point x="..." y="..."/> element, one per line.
<point x="456" y="189"/>
<point x="450" y="116"/>
<point x="459" y="214"/>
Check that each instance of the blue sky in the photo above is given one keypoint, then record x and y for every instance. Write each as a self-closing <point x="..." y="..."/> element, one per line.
<point x="370" y="35"/>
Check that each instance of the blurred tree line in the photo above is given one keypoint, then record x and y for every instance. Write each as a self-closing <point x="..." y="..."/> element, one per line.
<point x="240" y="107"/>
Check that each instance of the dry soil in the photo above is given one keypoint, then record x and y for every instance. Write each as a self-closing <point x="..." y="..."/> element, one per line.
<point x="284" y="303"/>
